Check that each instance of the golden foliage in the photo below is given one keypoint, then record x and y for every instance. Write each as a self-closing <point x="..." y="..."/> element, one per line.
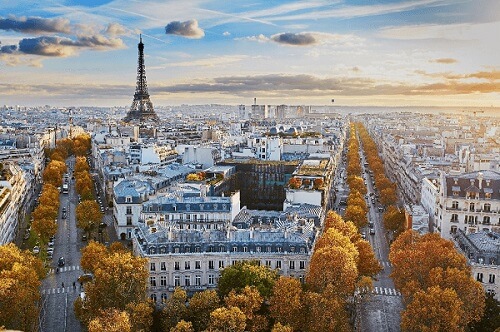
<point x="110" y="320"/>
<point x="228" y="320"/>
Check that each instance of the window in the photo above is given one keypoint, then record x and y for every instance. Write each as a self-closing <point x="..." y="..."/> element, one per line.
<point x="128" y="199"/>
<point x="152" y="267"/>
<point x="257" y="249"/>
<point x="163" y="266"/>
<point x="292" y="249"/>
<point x="163" y="281"/>
<point x="278" y="264"/>
<point x="187" y="280"/>
<point x="245" y="249"/>
<point x="177" y="281"/>
<point x="479" y="277"/>
<point x="454" y="205"/>
<point x="129" y="221"/>
<point x="221" y="264"/>
<point x="177" y="266"/>
<point x="211" y="265"/>
<point x="491" y="279"/>
<point x="268" y="249"/>
<point x="291" y="265"/>
<point x="268" y="264"/>
<point x="211" y="279"/>
<point x="152" y="281"/>
<point x="487" y="207"/>
<point x="153" y="297"/>
<point x="454" y="217"/>
<point x="302" y="265"/>
<point x="197" y="265"/>
<point x="486" y="220"/>
<point x="129" y="210"/>
<point x="235" y="249"/>
<point x="164" y="297"/>
<point x="197" y="280"/>
<point x="187" y="265"/>
<point x="278" y="249"/>
<point x="471" y="207"/>
<point x="453" y="229"/>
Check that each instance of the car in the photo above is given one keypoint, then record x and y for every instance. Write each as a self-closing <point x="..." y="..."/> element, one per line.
<point x="363" y="235"/>
<point x="380" y="209"/>
<point x="51" y="244"/>
<point x="64" y="215"/>
<point x="50" y="255"/>
<point x="36" y="249"/>
<point x="60" y="261"/>
<point x="372" y="231"/>
<point x="84" y="237"/>
<point x="64" y="209"/>
<point x="370" y="224"/>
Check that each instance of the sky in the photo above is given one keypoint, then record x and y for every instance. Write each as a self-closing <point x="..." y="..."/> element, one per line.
<point x="317" y="52"/>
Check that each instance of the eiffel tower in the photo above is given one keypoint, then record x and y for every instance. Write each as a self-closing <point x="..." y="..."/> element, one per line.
<point x="142" y="107"/>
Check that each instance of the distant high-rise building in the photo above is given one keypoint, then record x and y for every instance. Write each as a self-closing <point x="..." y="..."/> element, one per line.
<point x="142" y="107"/>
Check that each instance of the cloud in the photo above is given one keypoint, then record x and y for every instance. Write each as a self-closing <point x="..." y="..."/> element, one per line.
<point x="53" y="46"/>
<point x="309" y="85"/>
<point x="35" y="25"/>
<point x="295" y="39"/>
<point x="444" y="60"/>
<point x="492" y="75"/>
<point x="226" y="33"/>
<point x="188" y="29"/>
<point x="8" y="49"/>
<point x="259" y="38"/>
<point x="115" y="29"/>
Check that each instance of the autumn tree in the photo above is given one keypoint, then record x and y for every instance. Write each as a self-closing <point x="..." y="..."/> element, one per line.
<point x="281" y="328"/>
<point x="183" y="326"/>
<point x="44" y="228"/>
<point x="92" y="255"/>
<point x="394" y="219"/>
<point x="247" y="273"/>
<point x="490" y="321"/>
<point x="286" y="303"/>
<point x="367" y="263"/>
<point x="81" y="165"/>
<point x="333" y="266"/>
<point x="325" y="312"/>
<point x="141" y="315"/>
<point x="122" y="277"/>
<point x="249" y="301"/>
<point x="388" y="196"/>
<point x="356" y="215"/>
<point x="201" y="304"/>
<point x="174" y="309"/>
<point x="89" y="216"/>
<point x="227" y="320"/>
<point x="110" y="320"/>
<point x="434" y="310"/>
<point x="20" y="275"/>
<point x="347" y="228"/>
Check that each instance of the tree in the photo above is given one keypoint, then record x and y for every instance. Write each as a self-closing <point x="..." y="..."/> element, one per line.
<point x="183" y="326"/>
<point x="436" y="310"/>
<point x="92" y="255"/>
<point x="347" y="228"/>
<point x="200" y="307"/>
<point x="81" y="165"/>
<point x="174" y="309"/>
<point x="227" y="320"/>
<point x="89" y="216"/>
<point x="141" y="315"/>
<point x="490" y="321"/>
<point x="45" y="212"/>
<point x="122" y="277"/>
<point x="334" y="267"/>
<point x="286" y="302"/>
<point x="394" y="219"/>
<point x="356" y="215"/>
<point x="325" y="312"/>
<point x="110" y="320"/>
<point x="44" y="228"/>
<point x="332" y="238"/>
<point x="247" y="273"/>
<point x="249" y="301"/>
<point x="20" y="275"/>
<point x="281" y="328"/>
<point x="367" y="263"/>
<point x="388" y="196"/>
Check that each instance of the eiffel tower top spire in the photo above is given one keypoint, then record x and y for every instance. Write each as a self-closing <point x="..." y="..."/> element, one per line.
<point x="142" y="107"/>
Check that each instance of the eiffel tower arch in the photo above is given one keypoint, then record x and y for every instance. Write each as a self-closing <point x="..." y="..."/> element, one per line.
<point x="142" y="108"/>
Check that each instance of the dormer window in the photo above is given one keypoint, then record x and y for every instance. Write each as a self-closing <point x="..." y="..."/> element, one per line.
<point x="128" y="199"/>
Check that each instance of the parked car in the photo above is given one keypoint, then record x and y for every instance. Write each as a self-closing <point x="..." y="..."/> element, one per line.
<point x="36" y="249"/>
<point x="372" y="231"/>
<point x="84" y="237"/>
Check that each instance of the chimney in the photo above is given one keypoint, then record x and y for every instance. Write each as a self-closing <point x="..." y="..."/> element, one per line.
<point x="480" y="179"/>
<point x="255" y="101"/>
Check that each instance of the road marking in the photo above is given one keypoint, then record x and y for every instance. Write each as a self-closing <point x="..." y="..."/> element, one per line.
<point x="386" y="291"/>
<point x="66" y="269"/>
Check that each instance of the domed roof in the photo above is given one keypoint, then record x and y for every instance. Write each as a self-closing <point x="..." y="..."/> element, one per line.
<point x="273" y="131"/>
<point x="292" y="130"/>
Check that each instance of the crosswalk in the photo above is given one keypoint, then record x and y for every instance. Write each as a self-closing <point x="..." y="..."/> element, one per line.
<point x="61" y="290"/>
<point x="386" y="264"/>
<point x="386" y="291"/>
<point x="65" y="269"/>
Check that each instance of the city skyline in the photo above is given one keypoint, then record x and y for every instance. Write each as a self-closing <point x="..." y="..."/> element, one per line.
<point x="360" y="53"/>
